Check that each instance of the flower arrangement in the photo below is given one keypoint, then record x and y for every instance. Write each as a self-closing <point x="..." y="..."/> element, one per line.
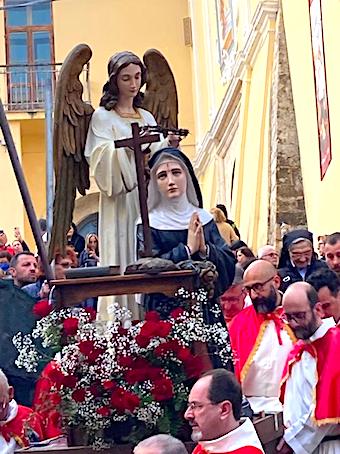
<point x="122" y="384"/>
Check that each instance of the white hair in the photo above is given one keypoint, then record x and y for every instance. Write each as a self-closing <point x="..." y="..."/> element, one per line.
<point x="3" y="379"/>
<point x="165" y="443"/>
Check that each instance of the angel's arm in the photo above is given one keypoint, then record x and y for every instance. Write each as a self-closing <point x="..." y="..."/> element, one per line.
<point x="111" y="168"/>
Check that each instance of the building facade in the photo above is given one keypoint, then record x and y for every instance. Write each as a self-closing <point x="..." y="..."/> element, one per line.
<point x="265" y="112"/>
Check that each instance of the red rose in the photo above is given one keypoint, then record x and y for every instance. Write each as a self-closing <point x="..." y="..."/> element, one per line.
<point x="140" y="363"/>
<point x="152" y="316"/>
<point x="70" y="326"/>
<point x="175" y="313"/>
<point x="42" y="308"/>
<point x="142" y="341"/>
<point x="125" y="361"/>
<point x="104" y="411"/>
<point x="149" y="329"/>
<point x="155" y="373"/>
<point x="92" y="313"/>
<point x="184" y="354"/>
<point x="136" y="376"/>
<point x="78" y="395"/>
<point x="162" y="389"/>
<point x="70" y="381"/>
<point x="166" y="347"/>
<point x="122" y="331"/>
<point x="163" y="329"/>
<point x="194" y="367"/>
<point x="86" y="347"/>
<point x="56" y="377"/>
<point x="109" y="385"/>
<point x="94" y="355"/>
<point x="123" y="400"/>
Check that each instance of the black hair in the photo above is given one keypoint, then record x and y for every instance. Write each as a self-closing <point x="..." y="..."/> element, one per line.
<point x="333" y="238"/>
<point x="237" y="245"/>
<point x="224" y="386"/>
<point x="325" y="277"/>
<point x="14" y="260"/>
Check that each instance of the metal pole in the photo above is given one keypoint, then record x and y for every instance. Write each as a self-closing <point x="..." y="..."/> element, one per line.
<point x="49" y="158"/>
<point x="20" y="177"/>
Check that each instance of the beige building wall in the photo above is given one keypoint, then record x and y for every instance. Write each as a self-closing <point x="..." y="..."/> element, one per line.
<point x="319" y="195"/>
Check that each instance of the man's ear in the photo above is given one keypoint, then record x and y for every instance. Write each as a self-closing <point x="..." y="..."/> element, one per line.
<point x="276" y="281"/>
<point x="12" y="270"/>
<point x="10" y="392"/>
<point x="226" y="409"/>
<point x="318" y="309"/>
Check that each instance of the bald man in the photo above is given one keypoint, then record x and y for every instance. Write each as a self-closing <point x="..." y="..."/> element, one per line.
<point x="312" y="377"/>
<point x="260" y="339"/>
<point x="18" y="424"/>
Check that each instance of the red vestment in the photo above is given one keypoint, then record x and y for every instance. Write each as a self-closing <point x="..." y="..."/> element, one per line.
<point x="46" y="401"/>
<point x="246" y="332"/>
<point x="326" y="351"/>
<point x="18" y="427"/>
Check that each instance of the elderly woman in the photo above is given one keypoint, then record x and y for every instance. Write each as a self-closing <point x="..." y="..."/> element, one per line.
<point x="181" y="229"/>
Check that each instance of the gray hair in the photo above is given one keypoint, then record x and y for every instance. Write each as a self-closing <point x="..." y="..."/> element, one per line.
<point x="166" y="444"/>
<point x="3" y="379"/>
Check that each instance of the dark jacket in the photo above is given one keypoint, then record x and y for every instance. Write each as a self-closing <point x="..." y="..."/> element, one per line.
<point x="289" y="274"/>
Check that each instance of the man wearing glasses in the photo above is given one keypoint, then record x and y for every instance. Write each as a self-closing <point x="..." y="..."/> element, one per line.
<point x="268" y="253"/>
<point x="260" y="339"/>
<point x="213" y="412"/>
<point x="312" y="377"/>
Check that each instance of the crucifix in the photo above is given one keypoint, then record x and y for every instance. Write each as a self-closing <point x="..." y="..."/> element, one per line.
<point x="135" y="142"/>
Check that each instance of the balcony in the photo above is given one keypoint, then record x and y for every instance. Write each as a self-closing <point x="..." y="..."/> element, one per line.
<point x="23" y="88"/>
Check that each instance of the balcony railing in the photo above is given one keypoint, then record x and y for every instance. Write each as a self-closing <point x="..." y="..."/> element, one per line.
<point x="23" y="88"/>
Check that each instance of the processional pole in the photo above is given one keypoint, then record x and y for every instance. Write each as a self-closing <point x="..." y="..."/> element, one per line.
<point x="20" y="177"/>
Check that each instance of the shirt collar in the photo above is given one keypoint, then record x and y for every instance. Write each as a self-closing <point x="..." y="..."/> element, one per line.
<point x="326" y="324"/>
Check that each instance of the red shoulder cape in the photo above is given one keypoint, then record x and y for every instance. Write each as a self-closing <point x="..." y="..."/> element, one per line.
<point x="18" y="428"/>
<point x="246" y="331"/>
<point x="326" y="350"/>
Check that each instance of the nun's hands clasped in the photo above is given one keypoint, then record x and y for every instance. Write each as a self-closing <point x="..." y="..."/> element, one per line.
<point x="196" y="241"/>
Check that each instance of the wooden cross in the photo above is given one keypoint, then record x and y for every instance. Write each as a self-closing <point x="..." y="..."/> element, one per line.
<point x="135" y="143"/>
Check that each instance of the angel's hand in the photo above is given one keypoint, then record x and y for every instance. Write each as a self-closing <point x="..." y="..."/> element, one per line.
<point x="173" y="139"/>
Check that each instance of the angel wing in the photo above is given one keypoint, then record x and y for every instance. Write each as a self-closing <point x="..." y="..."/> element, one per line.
<point x="160" y="96"/>
<point x="71" y="121"/>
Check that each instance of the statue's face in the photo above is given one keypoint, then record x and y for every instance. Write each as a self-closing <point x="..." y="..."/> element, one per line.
<point x="171" y="179"/>
<point x="129" y="81"/>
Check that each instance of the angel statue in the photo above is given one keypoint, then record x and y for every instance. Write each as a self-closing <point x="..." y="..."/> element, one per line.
<point x="84" y="139"/>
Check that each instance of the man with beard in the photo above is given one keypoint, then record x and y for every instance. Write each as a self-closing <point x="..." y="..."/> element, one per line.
<point x="260" y="339"/>
<point x="311" y="377"/>
<point x="214" y="411"/>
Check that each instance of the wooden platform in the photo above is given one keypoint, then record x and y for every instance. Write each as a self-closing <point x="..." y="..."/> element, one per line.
<point x="72" y="291"/>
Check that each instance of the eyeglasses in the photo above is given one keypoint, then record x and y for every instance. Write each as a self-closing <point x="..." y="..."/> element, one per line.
<point x="296" y="316"/>
<point x="258" y="286"/>
<point x="193" y="406"/>
<point x="271" y="254"/>
<point x="299" y="255"/>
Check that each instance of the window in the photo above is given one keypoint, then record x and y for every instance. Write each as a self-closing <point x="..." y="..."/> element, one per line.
<point x="29" y="40"/>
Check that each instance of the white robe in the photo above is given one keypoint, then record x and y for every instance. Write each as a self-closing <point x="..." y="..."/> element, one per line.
<point x="261" y="385"/>
<point x="242" y="437"/>
<point x="115" y="174"/>
<point x="302" y="435"/>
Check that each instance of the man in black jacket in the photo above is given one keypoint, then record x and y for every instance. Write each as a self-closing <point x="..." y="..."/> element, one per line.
<point x="298" y="259"/>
